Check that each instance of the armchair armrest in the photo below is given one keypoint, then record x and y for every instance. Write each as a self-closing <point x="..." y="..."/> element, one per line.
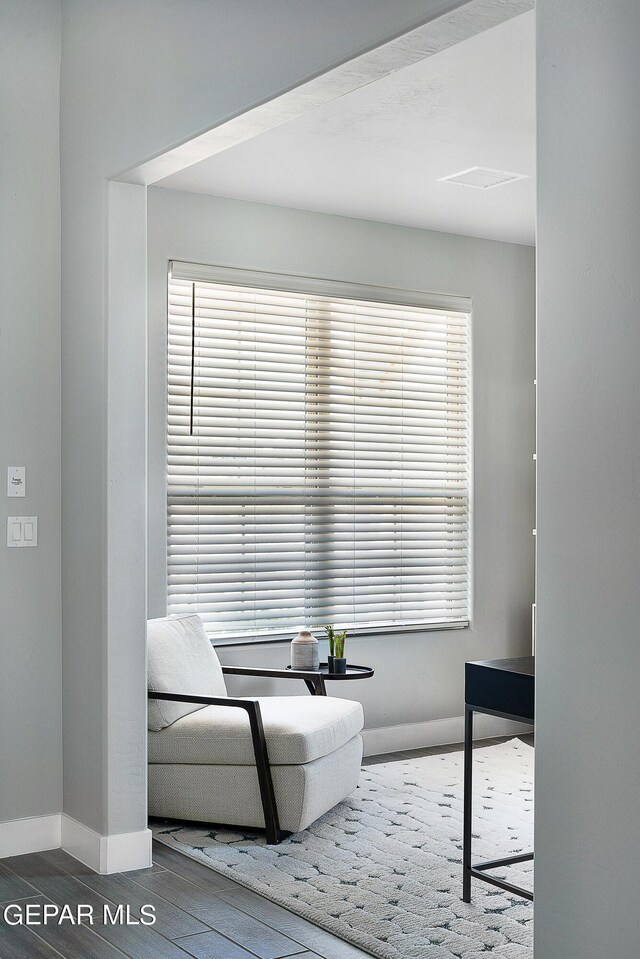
<point x="314" y="680"/>
<point x="252" y="708"/>
<point x="246" y="704"/>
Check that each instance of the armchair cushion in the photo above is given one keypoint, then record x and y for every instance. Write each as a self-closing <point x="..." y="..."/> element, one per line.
<point x="181" y="659"/>
<point x="298" y="729"/>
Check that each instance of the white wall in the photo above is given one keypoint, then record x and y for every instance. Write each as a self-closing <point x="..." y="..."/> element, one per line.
<point x="588" y="612"/>
<point x="138" y="77"/>
<point x="419" y="677"/>
<point x="30" y="643"/>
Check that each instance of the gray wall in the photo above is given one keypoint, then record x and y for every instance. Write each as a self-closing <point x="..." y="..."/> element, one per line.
<point x="138" y="77"/>
<point x="419" y="682"/>
<point x="30" y="645"/>
<point x="588" y="644"/>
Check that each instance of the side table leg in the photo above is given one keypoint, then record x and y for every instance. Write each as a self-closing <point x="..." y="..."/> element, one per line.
<point x="466" y="829"/>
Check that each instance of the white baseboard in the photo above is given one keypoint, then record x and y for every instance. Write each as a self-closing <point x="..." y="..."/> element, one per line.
<point x="18" y="837"/>
<point x="129" y="850"/>
<point x="437" y="732"/>
<point x="106" y="854"/>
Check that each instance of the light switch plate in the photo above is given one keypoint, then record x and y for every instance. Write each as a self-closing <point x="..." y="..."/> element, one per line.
<point x="22" y="531"/>
<point x="16" y="481"/>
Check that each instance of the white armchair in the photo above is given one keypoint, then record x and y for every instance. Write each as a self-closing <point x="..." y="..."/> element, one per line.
<point x="276" y="762"/>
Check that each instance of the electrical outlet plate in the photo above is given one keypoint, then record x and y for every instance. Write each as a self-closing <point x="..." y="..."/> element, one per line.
<point x="16" y="481"/>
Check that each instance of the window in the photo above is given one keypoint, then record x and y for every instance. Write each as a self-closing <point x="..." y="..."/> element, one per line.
<point x="318" y="455"/>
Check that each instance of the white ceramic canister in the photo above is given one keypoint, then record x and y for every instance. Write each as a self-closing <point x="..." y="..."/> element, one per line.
<point x="304" y="651"/>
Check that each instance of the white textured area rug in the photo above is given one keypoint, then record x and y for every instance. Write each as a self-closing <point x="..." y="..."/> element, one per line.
<point x="383" y="869"/>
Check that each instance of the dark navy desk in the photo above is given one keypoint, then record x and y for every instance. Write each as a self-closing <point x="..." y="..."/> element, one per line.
<point x="505" y="688"/>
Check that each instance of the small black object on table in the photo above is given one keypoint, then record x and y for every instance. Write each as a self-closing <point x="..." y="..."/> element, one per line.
<point x="316" y="682"/>
<point x="505" y="688"/>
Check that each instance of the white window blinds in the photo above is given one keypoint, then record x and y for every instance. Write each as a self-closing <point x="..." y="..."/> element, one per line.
<point x="318" y="458"/>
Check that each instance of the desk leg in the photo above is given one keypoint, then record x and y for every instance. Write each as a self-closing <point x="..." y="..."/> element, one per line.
<point x="466" y="829"/>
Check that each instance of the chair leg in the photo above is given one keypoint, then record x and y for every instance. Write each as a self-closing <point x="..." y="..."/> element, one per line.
<point x="265" y="781"/>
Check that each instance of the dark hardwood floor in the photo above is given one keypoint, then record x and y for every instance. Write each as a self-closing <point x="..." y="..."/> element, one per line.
<point x="199" y="913"/>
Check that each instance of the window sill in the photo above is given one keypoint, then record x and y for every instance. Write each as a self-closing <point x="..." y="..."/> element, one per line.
<point x="363" y="632"/>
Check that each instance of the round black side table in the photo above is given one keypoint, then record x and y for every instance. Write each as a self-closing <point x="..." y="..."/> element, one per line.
<point x="317" y="686"/>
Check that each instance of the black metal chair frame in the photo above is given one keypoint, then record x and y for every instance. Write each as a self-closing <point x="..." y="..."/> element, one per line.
<point x="315" y="684"/>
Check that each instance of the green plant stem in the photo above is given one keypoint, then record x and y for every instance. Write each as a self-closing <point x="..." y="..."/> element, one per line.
<point x="331" y="638"/>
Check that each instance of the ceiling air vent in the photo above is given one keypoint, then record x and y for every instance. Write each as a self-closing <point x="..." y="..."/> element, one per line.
<point x="482" y="178"/>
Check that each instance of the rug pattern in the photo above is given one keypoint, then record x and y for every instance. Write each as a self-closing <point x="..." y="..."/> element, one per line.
<point x="383" y="869"/>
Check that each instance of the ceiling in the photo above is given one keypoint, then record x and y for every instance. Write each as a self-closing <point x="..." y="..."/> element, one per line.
<point x="378" y="153"/>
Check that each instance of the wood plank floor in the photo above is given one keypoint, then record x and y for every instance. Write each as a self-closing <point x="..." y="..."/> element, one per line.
<point x="199" y="913"/>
